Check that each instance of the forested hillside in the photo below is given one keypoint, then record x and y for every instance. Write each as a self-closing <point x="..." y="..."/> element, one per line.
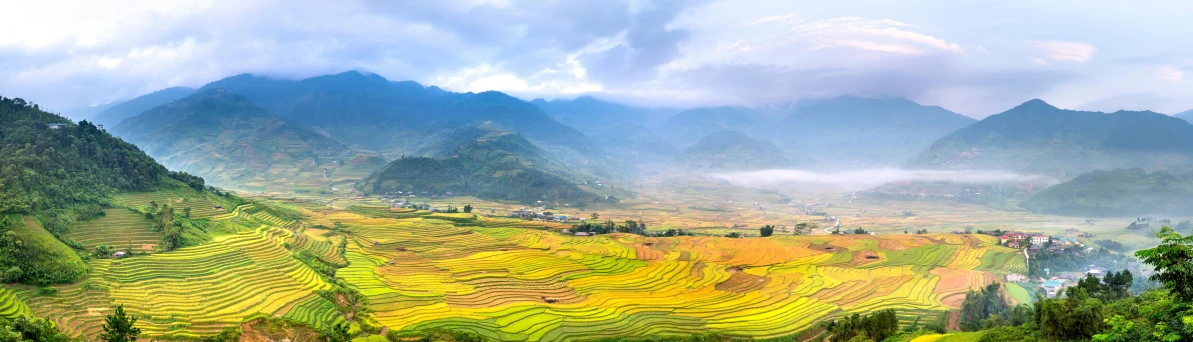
<point x="43" y="167"/>
<point x="54" y="172"/>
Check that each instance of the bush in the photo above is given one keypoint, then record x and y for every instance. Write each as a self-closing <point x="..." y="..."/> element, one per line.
<point x="12" y="275"/>
<point x="47" y="291"/>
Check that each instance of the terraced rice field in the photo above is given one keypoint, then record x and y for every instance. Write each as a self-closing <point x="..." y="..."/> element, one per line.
<point x="201" y="206"/>
<point x="118" y="228"/>
<point x="514" y="280"/>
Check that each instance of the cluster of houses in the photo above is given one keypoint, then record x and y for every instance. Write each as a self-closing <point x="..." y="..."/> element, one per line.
<point x="1038" y="241"/>
<point x="537" y="215"/>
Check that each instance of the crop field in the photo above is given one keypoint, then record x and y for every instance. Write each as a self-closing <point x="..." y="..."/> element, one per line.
<point x="511" y="279"/>
<point x="201" y="206"/>
<point x="119" y="228"/>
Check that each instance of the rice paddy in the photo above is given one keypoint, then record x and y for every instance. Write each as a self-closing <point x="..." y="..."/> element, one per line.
<point x="512" y="280"/>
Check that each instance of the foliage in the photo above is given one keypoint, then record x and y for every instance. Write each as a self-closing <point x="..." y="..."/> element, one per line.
<point x="28" y="328"/>
<point x="766" y="230"/>
<point x="876" y="326"/>
<point x="33" y="256"/>
<point x="120" y="327"/>
<point x="42" y="168"/>
<point x="981" y="307"/>
<point x="1173" y="260"/>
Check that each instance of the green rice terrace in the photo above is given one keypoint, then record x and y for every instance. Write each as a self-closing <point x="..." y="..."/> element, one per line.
<point x="410" y="271"/>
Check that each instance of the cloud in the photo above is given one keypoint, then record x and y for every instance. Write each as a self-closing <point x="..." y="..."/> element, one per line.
<point x="1050" y="51"/>
<point x="863" y="179"/>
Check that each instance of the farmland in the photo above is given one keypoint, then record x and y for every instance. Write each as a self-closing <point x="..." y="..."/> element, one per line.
<point x="513" y="280"/>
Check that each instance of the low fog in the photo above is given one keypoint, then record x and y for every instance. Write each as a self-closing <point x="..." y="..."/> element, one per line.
<point x="864" y="179"/>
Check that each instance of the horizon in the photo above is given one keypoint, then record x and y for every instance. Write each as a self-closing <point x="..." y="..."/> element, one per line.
<point x="979" y="60"/>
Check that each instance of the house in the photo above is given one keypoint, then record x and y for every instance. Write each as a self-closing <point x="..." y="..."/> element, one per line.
<point x="57" y="125"/>
<point x="1039" y="239"/>
<point x="1052" y="287"/>
<point x="1065" y="241"/>
<point x="100" y="127"/>
<point x="1012" y="237"/>
<point x="565" y="231"/>
<point x="118" y="255"/>
<point x="1014" y="244"/>
<point x="581" y="234"/>
<point x="1016" y="278"/>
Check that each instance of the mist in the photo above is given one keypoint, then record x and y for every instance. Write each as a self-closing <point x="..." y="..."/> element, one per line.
<point x="863" y="179"/>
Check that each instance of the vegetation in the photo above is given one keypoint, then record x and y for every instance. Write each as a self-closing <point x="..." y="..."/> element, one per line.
<point x="735" y="150"/>
<point x="120" y="327"/>
<point x="484" y="163"/>
<point x="1117" y="193"/>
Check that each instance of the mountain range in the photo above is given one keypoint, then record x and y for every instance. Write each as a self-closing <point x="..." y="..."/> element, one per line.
<point x="229" y="140"/>
<point x="115" y="113"/>
<point x="855" y="131"/>
<point x="1036" y="137"/>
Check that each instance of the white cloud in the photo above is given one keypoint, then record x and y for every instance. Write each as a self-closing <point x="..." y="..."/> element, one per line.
<point x="1048" y="51"/>
<point x="1170" y="73"/>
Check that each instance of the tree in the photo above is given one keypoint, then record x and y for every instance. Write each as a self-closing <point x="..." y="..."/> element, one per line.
<point x="338" y="333"/>
<point x="767" y="230"/>
<point x="153" y="205"/>
<point x="595" y="216"/>
<point x="102" y="251"/>
<point x="186" y="212"/>
<point x="1173" y="260"/>
<point x="120" y="327"/>
<point x="468" y="208"/>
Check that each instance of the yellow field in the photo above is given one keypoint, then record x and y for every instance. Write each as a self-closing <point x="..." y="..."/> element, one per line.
<point x="521" y="280"/>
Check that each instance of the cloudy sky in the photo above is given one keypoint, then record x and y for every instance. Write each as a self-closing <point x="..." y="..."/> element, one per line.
<point x="974" y="57"/>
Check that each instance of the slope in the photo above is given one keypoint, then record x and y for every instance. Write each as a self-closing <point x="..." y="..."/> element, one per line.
<point x="116" y="113"/>
<point x="222" y="136"/>
<point x="863" y="131"/>
<point x="1117" y="193"/>
<point x="52" y="171"/>
<point x="484" y="162"/>
<point x="1037" y="137"/>
<point x="687" y="127"/>
<point x="734" y="150"/>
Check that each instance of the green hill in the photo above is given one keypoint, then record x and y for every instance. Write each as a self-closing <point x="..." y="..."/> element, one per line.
<point x="482" y="162"/>
<point x="225" y="138"/>
<point x="1117" y="193"/>
<point x="1039" y="138"/>
<point x="862" y="131"/>
<point x="116" y="113"/>
<point x="55" y="172"/>
<point x="736" y="151"/>
<point x="637" y="144"/>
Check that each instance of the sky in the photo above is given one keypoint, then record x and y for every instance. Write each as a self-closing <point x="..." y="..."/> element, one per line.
<point x="974" y="57"/>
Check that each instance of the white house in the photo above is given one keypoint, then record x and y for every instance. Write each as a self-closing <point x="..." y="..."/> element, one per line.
<point x="1039" y="239"/>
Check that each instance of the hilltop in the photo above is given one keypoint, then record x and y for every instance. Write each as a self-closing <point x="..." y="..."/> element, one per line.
<point x="864" y="131"/>
<point x="224" y="137"/>
<point x="1037" y="137"/>
<point x="371" y="111"/>
<point x="1117" y="193"/>
<point x="485" y="162"/>
<point x="737" y="151"/>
